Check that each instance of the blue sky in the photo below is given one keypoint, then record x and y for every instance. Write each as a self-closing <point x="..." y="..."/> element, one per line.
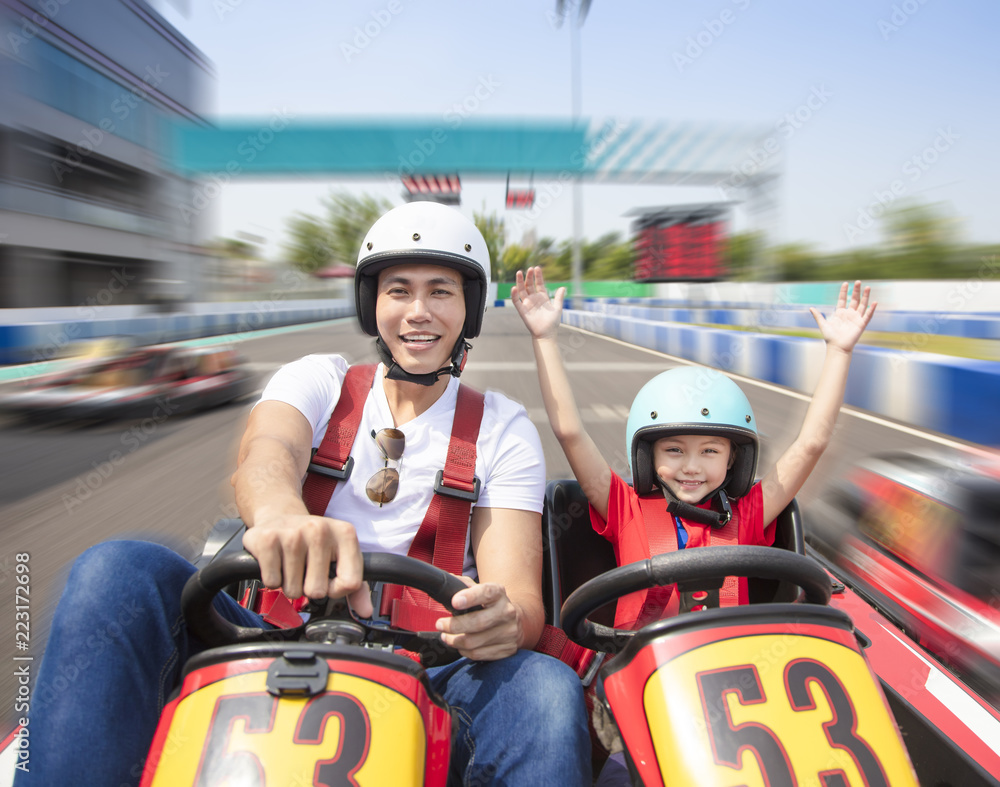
<point x="876" y="101"/>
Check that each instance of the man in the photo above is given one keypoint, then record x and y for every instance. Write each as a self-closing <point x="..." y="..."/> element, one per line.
<point x="421" y="288"/>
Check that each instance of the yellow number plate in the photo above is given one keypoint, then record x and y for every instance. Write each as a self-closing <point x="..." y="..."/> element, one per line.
<point x="773" y="710"/>
<point x="232" y="732"/>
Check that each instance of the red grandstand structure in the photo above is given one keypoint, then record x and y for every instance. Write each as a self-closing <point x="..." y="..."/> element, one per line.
<point x="680" y="242"/>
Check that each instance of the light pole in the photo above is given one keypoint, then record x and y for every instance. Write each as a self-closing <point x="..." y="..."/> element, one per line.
<point x="576" y="92"/>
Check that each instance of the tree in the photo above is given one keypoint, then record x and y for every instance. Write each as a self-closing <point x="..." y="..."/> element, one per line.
<point x="310" y="247"/>
<point x="317" y="242"/>
<point x="796" y="262"/>
<point x="608" y="258"/>
<point x="350" y="218"/>
<point x="494" y="232"/>
<point x="558" y="265"/>
<point x="919" y="240"/>
<point x="234" y="248"/>
<point x="741" y="252"/>
<point x="515" y="258"/>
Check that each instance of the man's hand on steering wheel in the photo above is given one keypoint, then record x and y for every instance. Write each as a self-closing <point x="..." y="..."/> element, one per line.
<point x="486" y="634"/>
<point x="207" y="624"/>
<point x="295" y="552"/>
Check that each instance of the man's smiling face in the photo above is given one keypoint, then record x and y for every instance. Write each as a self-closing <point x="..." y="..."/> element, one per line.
<point x="420" y="312"/>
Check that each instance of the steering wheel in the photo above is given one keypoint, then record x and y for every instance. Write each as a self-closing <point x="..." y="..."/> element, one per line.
<point x="205" y="622"/>
<point x="698" y="569"/>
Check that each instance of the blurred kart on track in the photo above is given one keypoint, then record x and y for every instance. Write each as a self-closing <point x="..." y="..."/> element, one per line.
<point x="918" y="534"/>
<point x="142" y="382"/>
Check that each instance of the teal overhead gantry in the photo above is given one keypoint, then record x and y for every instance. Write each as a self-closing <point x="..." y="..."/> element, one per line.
<point x="744" y="163"/>
<point x="612" y="150"/>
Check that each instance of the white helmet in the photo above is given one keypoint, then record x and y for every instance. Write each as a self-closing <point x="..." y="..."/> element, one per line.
<point x="424" y="232"/>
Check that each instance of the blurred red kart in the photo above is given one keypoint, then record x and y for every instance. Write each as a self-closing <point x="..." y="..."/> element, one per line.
<point x="918" y="534"/>
<point x="154" y="381"/>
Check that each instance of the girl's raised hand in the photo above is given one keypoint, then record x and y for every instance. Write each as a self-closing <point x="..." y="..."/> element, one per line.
<point x="540" y="313"/>
<point x="844" y="327"/>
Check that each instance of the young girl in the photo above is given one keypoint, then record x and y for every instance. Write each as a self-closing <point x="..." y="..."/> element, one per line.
<point x="692" y="443"/>
<point x="691" y="440"/>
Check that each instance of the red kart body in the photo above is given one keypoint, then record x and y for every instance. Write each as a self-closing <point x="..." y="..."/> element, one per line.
<point x="770" y="698"/>
<point x="917" y="536"/>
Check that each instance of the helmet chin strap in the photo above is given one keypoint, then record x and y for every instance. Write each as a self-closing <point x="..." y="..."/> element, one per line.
<point x="396" y="372"/>
<point x="703" y="516"/>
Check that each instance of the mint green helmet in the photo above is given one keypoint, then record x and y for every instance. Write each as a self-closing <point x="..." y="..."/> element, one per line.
<point x="691" y="400"/>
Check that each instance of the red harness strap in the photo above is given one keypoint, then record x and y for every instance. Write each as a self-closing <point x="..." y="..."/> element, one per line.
<point x="331" y="462"/>
<point x="441" y="537"/>
<point x="661" y="534"/>
<point x="554" y="642"/>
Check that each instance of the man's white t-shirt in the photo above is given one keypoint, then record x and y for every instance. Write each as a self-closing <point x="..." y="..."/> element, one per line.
<point x="509" y="460"/>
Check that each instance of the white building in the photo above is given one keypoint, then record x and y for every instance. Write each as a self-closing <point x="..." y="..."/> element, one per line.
<point x="88" y="209"/>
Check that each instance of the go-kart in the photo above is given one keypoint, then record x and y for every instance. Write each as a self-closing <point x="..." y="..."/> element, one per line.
<point x="325" y="703"/>
<point x="143" y="382"/>
<point x="779" y="693"/>
<point x="917" y="533"/>
<point x="806" y="685"/>
<point x="329" y="702"/>
<point x="809" y="684"/>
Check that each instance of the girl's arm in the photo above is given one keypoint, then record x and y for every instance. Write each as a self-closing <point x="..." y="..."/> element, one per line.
<point x="841" y="333"/>
<point x="542" y="315"/>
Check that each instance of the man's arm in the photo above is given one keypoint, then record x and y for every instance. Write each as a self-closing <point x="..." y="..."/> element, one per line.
<point x="294" y="548"/>
<point x="542" y="317"/>
<point x="507" y="544"/>
<point x="841" y="332"/>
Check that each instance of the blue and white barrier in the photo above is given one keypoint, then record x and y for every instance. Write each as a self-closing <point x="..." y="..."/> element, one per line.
<point x="953" y="396"/>
<point x="24" y="341"/>
<point x="969" y="326"/>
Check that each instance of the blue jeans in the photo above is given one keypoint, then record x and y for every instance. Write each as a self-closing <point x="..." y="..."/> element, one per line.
<point x="521" y="721"/>
<point x="118" y="645"/>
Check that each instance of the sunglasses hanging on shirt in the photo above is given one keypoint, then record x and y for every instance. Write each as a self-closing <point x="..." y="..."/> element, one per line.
<point x="383" y="486"/>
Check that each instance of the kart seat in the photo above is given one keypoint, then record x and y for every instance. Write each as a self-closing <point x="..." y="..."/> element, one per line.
<point x="574" y="553"/>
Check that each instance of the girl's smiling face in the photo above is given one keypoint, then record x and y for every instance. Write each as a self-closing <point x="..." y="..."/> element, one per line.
<point x="692" y="466"/>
